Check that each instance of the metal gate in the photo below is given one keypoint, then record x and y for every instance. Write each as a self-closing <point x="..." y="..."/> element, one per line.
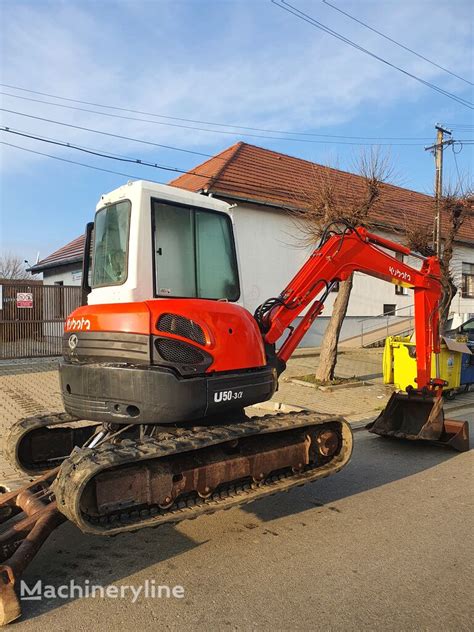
<point x="32" y="317"/>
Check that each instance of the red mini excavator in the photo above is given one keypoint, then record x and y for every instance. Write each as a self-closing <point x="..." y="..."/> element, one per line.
<point x="155" y="389"/>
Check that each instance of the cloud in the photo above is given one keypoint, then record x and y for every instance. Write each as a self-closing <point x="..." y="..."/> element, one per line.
<point x="243" y="62"/>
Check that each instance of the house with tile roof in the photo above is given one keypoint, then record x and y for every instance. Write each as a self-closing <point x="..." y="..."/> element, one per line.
<point x="63" y="266"/>
<point x="263" y="185"/>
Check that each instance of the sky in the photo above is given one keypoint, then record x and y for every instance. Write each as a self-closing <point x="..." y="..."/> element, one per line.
<point x="232" y="62"/>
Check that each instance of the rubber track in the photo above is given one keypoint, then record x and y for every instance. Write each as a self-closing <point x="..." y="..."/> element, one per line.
<point x="22" y="427"/>
<point x="83" y="465"/>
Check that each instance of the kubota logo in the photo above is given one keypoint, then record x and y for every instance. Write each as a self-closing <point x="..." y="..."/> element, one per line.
<point x="78" y="324"/>
<point x="72" y="342"/>
<point x="398" y="274"/>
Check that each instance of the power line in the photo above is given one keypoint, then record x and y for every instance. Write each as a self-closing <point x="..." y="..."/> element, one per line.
<point x="88" y="129"/>
<point x="99" y="153"/>
<point x="464" y="128"/>
<point x="455" y="153"/>
<point x="461" y="124"/>
<point x="96" y="131"/>
<point x="307" y="18"/>
<point x="73" y="162"/>
<point x="225" y="181"/>
<point x="240" y="187"/>
<point x="186" y="120"/>
<point x="243" y="188"/>
<point x="390" y="39"/>
<point x="201" y="129"/>
<point x="121" y="158"/>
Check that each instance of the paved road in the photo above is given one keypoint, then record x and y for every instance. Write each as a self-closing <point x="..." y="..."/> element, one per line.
<point x="384" y="545"/>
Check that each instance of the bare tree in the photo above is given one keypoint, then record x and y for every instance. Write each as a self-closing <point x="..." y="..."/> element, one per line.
<point x="12" y="267"/>
<point x="456" y="206"/>
<point x="326" y="201"/>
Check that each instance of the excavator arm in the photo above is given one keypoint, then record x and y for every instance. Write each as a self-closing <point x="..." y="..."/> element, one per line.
<point x="417" y="414"/>
<point x="341" y="254"/>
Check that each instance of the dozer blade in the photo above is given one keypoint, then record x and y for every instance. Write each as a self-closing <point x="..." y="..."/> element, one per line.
<point x="420" y="417"/>
<point x="27" y="517"/>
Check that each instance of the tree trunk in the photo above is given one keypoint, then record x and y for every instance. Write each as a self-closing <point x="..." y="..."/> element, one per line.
<point x="328" y="356"/>
<point x="445" y="304"/>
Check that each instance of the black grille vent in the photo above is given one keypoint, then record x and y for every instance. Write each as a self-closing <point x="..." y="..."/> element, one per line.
<point x="180" y="326"/>
<point x="179" y="352"/>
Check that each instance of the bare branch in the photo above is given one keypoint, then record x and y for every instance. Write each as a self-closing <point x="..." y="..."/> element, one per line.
<point x="329" y="198"/>
<point x="12" y="267"/>
<point x="326" y="197"/>
<point x="456" y="207"/>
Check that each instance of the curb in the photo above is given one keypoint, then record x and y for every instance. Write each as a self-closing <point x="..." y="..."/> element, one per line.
<point x="330" y="387"/>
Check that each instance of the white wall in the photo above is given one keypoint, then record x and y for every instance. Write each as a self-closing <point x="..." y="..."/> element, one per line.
<point x="271" y="251"/>
<point x="269" y="254"/>
<point x="69" y="275"/>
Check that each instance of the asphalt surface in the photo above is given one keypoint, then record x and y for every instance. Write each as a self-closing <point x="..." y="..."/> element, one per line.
<point x="386" y="544"/>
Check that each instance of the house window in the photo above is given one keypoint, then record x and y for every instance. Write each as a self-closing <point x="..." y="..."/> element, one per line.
<point x="467" y="280"/>
<point x="399" y="289"/>
<point x="389" y="309"/>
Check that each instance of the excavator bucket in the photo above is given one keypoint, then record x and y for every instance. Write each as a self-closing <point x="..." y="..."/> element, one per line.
<point x="419" y="416"/>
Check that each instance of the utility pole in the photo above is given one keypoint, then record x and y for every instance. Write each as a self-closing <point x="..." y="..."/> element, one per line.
<point x="437" y="150"/>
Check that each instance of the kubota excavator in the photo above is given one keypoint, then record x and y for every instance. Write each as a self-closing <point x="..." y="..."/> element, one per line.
<point x="160" y="364"/>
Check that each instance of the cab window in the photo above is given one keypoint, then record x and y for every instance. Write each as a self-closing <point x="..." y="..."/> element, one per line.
<point x="111" y="228"/>
<point x="194" y="253"/>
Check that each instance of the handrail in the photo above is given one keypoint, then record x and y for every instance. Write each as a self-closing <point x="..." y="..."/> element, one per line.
<point x="394" y="313"/>
<point x="377" y="325"/>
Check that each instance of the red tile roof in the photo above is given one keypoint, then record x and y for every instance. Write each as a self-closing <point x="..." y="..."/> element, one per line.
<point x="70" y="253"/>
<point x="261" y="175"/>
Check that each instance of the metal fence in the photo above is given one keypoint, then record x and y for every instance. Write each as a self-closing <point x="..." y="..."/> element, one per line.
<point x="32" y="317"/>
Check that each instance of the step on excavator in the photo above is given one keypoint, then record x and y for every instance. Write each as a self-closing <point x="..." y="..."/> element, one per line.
<point x="160" y="364"/>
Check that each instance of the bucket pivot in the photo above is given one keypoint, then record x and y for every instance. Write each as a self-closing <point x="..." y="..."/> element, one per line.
<point x="418" y="415"/>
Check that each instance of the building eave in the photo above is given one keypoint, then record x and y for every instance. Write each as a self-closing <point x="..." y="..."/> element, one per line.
<point x="36" y="269"/>
<point x="282" y="207"/>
